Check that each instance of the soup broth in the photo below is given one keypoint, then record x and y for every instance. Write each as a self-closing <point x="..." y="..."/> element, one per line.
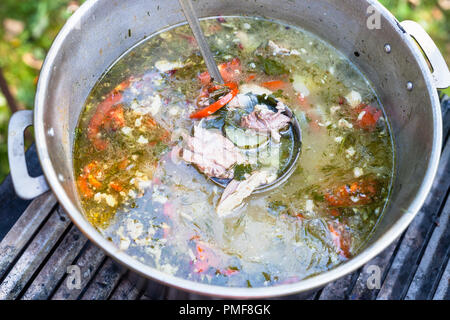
<point x="138" y="186"/>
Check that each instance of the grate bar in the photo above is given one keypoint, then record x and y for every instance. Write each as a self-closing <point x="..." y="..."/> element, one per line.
<point x="34" y="255"/>
<point x="361" y="290"/>
<point x="56" y="267"/>
<point x="104" y="282"/>
<point x="443" y="289"/>
<point x="24" y="229"/>
<point x="154" y="291"/>
<point x="129" y="287"/>
<point x="416" y="237"/>
<point x="89" y="261"/>
<point x="433" y="261"/>
<point x="338" y="289"/>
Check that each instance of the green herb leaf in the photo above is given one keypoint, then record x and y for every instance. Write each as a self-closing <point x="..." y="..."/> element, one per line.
<point x="271" y="67"/>
<point x="269" y="100"/>
<point x="240" y="170"/>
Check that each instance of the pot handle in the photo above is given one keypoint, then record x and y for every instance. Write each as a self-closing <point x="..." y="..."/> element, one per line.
<point x="26" y="187"/>
<point x="440" y="72"/>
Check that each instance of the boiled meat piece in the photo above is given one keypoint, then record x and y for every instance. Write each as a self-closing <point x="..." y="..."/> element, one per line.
<point x="237" y="191"/>
<point x="212" y="153"/>
<point x="266" y="121"/>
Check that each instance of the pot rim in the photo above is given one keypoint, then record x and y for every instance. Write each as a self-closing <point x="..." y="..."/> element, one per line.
<point x="234" y="292"/>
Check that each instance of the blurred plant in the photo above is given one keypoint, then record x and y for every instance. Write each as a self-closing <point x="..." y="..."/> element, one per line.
<point x="28" y="27"/>
<point x="27" y="30"/>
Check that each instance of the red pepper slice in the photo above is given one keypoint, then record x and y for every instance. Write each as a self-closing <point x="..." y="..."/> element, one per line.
<point x="209" y="110"/>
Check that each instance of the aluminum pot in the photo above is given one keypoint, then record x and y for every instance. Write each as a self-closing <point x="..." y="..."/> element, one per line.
<point x="383" y="49"/>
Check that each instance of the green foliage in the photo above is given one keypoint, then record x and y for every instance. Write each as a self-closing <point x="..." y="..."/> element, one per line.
<point x="43" y="19"/>
<point x="39" y="23"/>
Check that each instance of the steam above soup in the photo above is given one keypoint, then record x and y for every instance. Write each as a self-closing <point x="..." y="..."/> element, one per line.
<point x="158" y="136"/>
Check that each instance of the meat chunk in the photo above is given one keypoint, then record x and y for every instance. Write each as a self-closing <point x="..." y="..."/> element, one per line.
<point x="212" y="153"/>
<point x="279" y="50"/>
<point x="237" y="191"/>
<point x="266" y="121"/>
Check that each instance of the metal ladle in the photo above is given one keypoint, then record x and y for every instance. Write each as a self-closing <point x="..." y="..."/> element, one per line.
<point x="191" y="17"/>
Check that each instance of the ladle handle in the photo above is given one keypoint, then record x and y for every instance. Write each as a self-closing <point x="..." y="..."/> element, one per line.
<point x="192" y="19"/>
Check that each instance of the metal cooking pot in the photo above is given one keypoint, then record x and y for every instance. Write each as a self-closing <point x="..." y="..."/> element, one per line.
<point x="383" y="49"/>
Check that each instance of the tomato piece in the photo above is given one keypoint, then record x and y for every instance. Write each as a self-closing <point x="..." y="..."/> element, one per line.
<point x="340" y="238"/>
<point x="84" y="188"/>
<point x="204" y="78"/>
<point x="115" y="117"/>
<point x="368" y="117"/>
<point x="123" y="85"/>
<point x="228" y="70"/>
<point x="87" y="180"/>
<point x="107" y="115"/>
<point x="357" y="193"/>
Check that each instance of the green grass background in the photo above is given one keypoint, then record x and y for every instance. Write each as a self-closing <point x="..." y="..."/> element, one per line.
<point x="38" y="22"/>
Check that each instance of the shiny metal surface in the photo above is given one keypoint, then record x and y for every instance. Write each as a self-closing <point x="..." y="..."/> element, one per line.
<point x="441" y="74"/>
<point x="26" y="187"/>
<point x="98" y="33"/>
<point x="191" y="17"/>
<point x="284" y="175"/>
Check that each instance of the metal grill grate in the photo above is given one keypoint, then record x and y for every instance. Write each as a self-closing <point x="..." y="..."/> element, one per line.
<point x="42" y="243"/>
